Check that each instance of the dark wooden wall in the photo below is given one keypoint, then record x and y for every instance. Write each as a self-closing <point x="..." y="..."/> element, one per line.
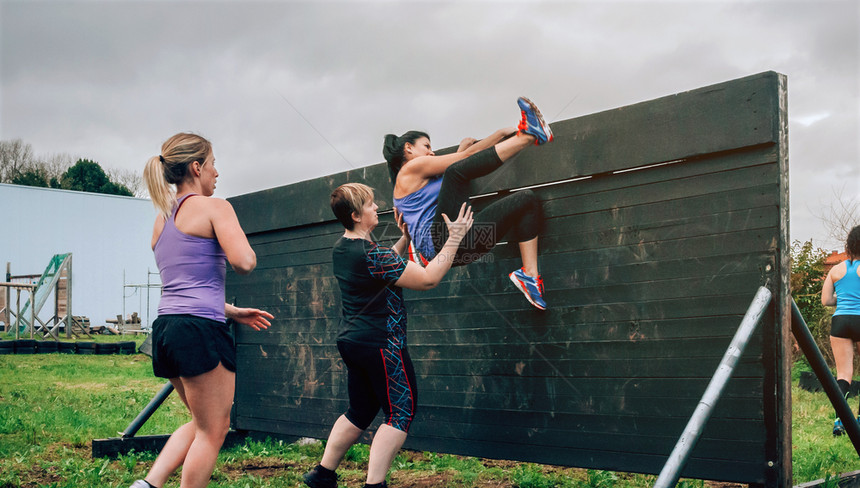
<point x="662" y="220"/>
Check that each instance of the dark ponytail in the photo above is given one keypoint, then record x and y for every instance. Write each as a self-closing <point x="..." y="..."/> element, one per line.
<point x="393" y="147"/>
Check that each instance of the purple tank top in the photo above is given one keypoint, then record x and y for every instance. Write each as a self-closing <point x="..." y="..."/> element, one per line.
<point x="192" y="271"/>
<point x="419" y="209"/>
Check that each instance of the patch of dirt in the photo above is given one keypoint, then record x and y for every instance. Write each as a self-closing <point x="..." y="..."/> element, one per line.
<point x="264" y="468"/>
<point x="418" y="479"/>
<point x="38" y="476"/>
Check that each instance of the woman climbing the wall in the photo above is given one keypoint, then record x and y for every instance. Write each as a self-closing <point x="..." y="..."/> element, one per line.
<point x="192" y="344"/>
<point x="427" y="185"/>
<point x="372" y="335"/>
<point x="842" y="289"/>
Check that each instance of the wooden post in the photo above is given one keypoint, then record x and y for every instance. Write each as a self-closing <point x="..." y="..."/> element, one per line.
<point x="32" y="311"/>
<point x="17" y="313"/>
<point x="69" y="298"/>
<point x="8" y="293"/>
<point x="56" y="317"/>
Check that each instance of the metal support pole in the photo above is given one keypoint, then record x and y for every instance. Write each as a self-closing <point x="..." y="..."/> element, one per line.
<point x="819" y="366"/>
<point x="678" y="458"/>
<point x="147" y="411"/>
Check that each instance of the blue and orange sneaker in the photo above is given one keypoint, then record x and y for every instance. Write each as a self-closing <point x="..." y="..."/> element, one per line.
<point x="532" y="288"/>
<point x="532" y="122"/>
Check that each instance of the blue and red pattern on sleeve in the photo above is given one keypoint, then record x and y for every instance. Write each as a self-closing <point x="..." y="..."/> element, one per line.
<point x="384" y="264"/>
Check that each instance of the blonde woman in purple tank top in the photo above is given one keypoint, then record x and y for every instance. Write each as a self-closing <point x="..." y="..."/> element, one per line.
<point x="192" y="344"/>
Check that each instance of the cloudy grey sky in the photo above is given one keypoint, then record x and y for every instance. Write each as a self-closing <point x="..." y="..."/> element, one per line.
<point x="293" y="90"/>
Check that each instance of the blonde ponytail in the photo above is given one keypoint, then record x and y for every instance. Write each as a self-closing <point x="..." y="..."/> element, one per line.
<point x="162" y="195"/>
<point x="171" y="167"/>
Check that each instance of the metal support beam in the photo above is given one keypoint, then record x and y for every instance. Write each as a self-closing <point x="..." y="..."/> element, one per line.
<point x="828" y="382"/>
<point x="147" y="411"/>
<point x="678" y="458"/>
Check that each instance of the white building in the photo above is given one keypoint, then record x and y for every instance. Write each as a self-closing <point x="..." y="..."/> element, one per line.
<point x="109" y="237"/>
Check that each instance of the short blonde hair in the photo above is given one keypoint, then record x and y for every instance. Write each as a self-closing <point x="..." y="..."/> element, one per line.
<point x="348" y="199"/>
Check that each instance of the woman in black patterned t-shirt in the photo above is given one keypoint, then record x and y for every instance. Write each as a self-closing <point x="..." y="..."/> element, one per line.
<point x="372" y="335"/>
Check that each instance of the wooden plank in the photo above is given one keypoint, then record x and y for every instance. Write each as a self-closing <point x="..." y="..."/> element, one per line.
<point x="445" y="421"/>
<point x="777" y="325"/>
<point x="310" y="384"/>
<point x="284" y="366"/>
<point x="551" y="437"/>
<point x="481" y="327"/>
<point x="538" y="406"/>
<point x="575" y="313"/>
<point x="116" y="446"/>
<point x="678" y="172"/>
<point x="500" y="347"/>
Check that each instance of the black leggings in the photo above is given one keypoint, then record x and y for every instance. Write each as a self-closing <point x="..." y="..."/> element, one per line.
<point x="518" y="213"/>
<point x="379" y="377"/>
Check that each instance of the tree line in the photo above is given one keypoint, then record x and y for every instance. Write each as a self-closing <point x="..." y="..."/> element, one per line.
<point x="20" y="166"/>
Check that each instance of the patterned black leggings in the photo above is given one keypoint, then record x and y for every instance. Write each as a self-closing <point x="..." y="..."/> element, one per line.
<point x="379" y="377"/>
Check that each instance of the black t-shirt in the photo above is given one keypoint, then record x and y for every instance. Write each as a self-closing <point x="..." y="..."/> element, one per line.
<point x="373" y="311"/>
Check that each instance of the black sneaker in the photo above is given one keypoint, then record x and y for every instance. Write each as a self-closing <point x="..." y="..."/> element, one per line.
<point x="316" y="479"/>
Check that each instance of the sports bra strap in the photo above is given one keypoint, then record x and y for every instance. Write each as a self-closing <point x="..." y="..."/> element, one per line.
<point x="181" y="201"/>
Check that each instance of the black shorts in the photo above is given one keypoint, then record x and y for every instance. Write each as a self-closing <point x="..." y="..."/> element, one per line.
<point x="187" y="345"/>
<point x="846" y="327"/>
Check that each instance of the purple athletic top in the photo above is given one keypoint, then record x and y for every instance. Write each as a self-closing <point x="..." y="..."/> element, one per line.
<point x="192" y="271"/>
<point x="419" y="209"/>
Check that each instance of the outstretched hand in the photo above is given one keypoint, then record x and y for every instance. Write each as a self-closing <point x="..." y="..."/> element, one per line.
<point x="252" y="317"/>
<point x="458" y="228"/>
<point x="401" y="224"/>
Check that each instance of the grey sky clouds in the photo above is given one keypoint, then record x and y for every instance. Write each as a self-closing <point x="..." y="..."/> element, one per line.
<point x="270" y="82"/>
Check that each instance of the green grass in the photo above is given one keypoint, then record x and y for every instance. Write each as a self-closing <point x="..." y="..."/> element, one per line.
<point x="53" y="405"/>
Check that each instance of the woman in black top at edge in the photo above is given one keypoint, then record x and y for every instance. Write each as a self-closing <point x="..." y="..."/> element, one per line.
<point x="372" y="335"/>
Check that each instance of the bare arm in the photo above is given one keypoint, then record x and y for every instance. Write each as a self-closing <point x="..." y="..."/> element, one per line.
<point x="415" y="277"/>
<point x="828" y="297"/>
<point x="231" y="237"/>
<point x="426" y="167"/>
